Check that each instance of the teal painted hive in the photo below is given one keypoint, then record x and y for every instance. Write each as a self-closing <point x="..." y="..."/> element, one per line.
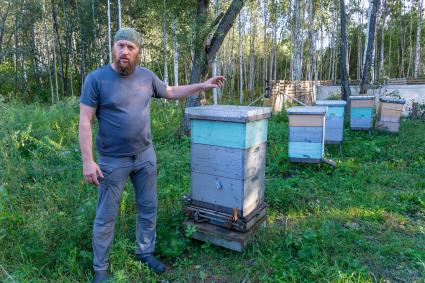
<point x="228" y="150"/>
<point x="334" y="127"/>
<point x="361" y="112"/>
<point x="306" y="133"/>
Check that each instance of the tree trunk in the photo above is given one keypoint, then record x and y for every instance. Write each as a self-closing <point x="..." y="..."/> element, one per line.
<point x="216" y="62"/>
<point x="175" y="53"/>
<point x="381" y="64"/>
<point x="119" y="14"/>
<point x="265" y="3"/>
<point x="55" y="23"/>
<point x="240" y="60"/>
<point x="46" y="44"/>
<point x="345" y="85"/>
<point x="204" y="54"/>
<point x="251" y="53"/>
<point x="164" y="45"/>
<point x="418" y="41"/>
<point x="371" y="25"/>
<point x="109" y="32"/>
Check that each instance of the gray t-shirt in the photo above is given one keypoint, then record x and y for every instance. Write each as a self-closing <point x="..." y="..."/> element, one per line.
<point x="123" y="111"/>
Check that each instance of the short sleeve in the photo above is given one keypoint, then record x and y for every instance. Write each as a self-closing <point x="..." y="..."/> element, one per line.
<point x="89" y="94"/>
<point x="159" y="87"/>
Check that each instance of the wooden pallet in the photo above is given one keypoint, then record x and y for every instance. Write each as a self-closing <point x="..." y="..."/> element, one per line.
<point x="220" y="236"/>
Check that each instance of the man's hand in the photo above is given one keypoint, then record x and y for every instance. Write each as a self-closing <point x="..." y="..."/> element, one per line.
<point x="213" y="82"/>
<point x="91" y="170"/>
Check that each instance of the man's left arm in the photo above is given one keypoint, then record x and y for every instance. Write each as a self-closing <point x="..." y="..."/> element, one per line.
<point x="177" y="92"/>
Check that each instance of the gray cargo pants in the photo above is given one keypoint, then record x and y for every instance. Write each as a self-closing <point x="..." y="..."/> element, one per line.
<point x="142" y="170"/>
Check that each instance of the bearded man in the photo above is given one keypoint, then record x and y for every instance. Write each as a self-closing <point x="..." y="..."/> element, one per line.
<point x="119" y="95"/>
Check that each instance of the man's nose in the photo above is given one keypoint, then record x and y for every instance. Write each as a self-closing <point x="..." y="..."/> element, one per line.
<point x="124" y="50"/>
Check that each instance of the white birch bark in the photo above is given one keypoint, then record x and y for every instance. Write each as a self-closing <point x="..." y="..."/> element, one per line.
<point x="46" y="44"/>
<point x="251" y="53"/>
<point x="164" y="46"/>
<point x="240" y="59"/>
<point x="418" y="41"/>
<point x="119" y="14"/>
<point x="109" y="32"/>
<point x="216" y="62"/>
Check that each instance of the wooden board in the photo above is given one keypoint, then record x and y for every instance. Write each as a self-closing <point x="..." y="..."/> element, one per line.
<point x="361" y="123"/>
<point x="333" y="135"/>
<point x="388" y="126"/>
<point x="389" y="119"/>
<point x="228" y="193"/>
<point x="335" y="123"/>
<point x="335" y="112"/>
<point x="306" y="134"/>
<point x="391" y="113"/>
<point x="306" y="120"/>
<point x="392" y="106"/>
<point x="227" y="162"/>
<point x="361" y="113"/>
<point x="230" y="113"/>
<point x="305" y="150"/>
<point x="223" y="237"/>
<point x="362" y="103"/>
<point x="229" y="134"/>
<point x="305" y="160"/>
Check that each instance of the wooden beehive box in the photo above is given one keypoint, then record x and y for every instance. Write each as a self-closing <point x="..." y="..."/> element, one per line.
<point x="390" y="110"/>
<point x="306" y="133"/>
<point x="228" y="152"/>
<point x="334" y="120"/>
<point x="361" y="112"/>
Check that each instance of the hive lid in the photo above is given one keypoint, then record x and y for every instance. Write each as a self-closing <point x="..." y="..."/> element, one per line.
<point x="392" y="100"/>
<point x="231" y="113"/>
<point x="362" y="97"/>
<point x="331" y="103"/>
<point x="307" y="110"/>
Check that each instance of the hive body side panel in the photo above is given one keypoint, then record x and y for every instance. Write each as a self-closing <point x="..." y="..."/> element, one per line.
<point x="305" y="150"/>
<point x="228" y="134"/>
<point x="216" y="190"/>
<point x="392" y="106"/>
<point x="335" y="112"/>
<point x="306" y="120"/>
<point x="362" y="103"/>
<point x="256" y="133"/>
<point x="217" y="160"/>
<point x="306" y="134"/>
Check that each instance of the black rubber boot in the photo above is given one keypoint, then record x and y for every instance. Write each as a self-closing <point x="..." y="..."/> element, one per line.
<point x="152" y="262"/>
<point x="100" y="276"/>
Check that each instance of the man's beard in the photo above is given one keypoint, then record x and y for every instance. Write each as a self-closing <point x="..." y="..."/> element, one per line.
<point x="126" y="69"/>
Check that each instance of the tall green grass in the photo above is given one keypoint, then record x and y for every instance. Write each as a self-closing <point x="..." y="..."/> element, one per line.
<point x="362" y="221"/>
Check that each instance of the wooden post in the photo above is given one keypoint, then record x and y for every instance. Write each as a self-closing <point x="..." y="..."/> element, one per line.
<point x="414" y="110"/>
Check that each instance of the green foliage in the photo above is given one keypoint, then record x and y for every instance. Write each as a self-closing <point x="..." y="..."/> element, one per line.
<point x="362" y="221"/>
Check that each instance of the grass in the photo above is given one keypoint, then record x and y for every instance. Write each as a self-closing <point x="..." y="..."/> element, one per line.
<point x="362" y="221"/>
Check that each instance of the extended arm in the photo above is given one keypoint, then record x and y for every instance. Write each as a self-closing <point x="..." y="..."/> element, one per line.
<point x="90" y="169"/>
<point x="177" y="92"/>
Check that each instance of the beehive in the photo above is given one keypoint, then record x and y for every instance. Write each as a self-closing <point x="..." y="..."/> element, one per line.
<point x="390" y="110"/>
<point x="228" y="153"/>
<point x="361" y="112"/>
<point x="306" y="133"/>
<point x="334" y="120"/>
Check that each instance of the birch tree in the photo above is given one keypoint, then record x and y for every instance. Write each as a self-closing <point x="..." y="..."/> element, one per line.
<point x="370" y="37"/>
<point x="345" y="86"/>
<point x="418" y="41"/>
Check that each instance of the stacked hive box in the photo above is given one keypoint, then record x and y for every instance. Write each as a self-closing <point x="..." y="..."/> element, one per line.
<point x="390" y="110"/>
<point x="228" y="152"/>
<point x="361" y="112"/>
<point x="306" y="133"/>
<point x="334" y="120"/>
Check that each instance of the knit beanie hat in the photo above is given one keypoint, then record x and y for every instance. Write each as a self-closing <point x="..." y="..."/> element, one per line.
<point x="129" y="34"/>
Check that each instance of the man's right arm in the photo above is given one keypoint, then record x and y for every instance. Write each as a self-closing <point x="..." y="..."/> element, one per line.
<point x="90" y="169"/>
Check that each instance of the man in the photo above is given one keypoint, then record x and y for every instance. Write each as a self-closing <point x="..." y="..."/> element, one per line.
<point x="119" y="96"/>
